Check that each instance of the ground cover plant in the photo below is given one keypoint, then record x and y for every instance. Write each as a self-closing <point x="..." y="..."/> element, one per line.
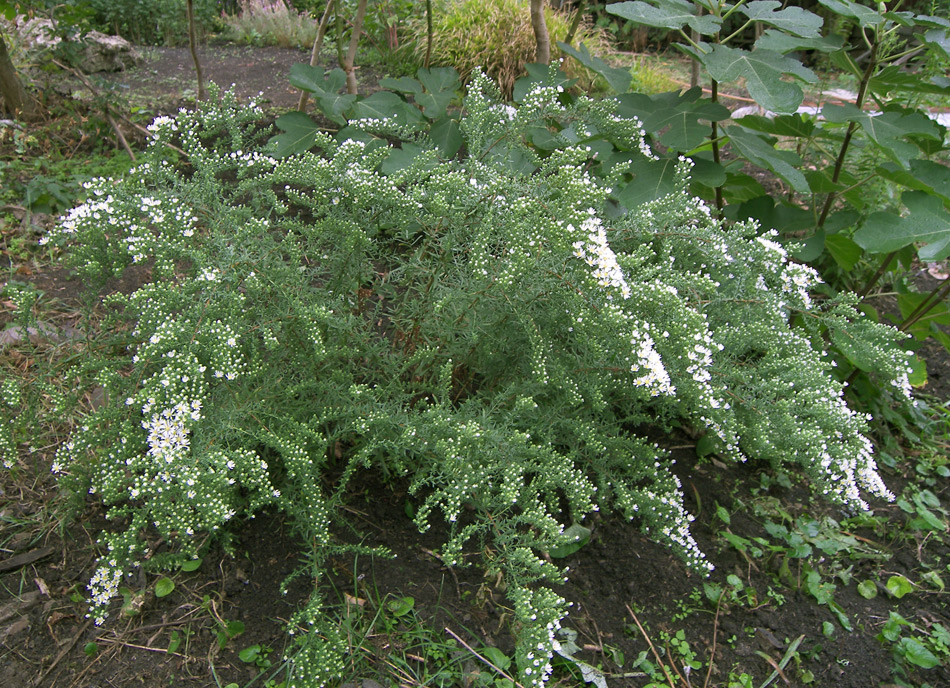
<point x="490" y="326"/>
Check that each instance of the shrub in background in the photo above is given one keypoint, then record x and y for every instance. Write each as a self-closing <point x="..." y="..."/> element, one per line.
<point x="496" y="35"/>
<point x="153" y="22"/>
<point x="493" y="327"/>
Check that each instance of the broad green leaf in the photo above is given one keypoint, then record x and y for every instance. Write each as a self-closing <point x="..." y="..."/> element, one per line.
<point x="403" y="84"/>
<point x="915" y="653"/>
<point x="894" y="78"/>
<point x="652" y="180"/>
<point x="924" y="175"/>
<point x="928" y="223"/>
<point x="845" y="252"/>
<point x="783" y="125"/>
<point x="741" y="187"/>
<point x="316" y="79"/>
<point x="446" y="134"/>
<point x="938" y="40"/>
<point x="707" y="172"/>
<point x="887" y="129"/>
<point x="191" y="565"/>
<point x="762" y="71"/>
<point x="669" y="15"/>
<point x="496" y="657"/>
<point x="400" y="158"/>
<point x="788" y="219"/>
<point x="782" y="43"/>
<point x="793" y="20"/>
<point x="759" y="151"/>
<point x="863" y="15"/>
<point x="401" y="606"/>
<point x="385" y="105"/>
<point x="683" y="118"/>
<point x="908" y="303"/>
<point x="250" y="654"/>
<point x="616" y="77"/>
<point x="438" y="79"/>
<point x="899" y="586"/>
<point x="867" y="589"/>
<point x="300" y="135"/>
<point x="442" y="85"/>
<point x="164" y="587"/>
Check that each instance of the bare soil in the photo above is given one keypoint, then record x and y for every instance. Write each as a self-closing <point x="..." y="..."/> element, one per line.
<point x="617" y="581"/>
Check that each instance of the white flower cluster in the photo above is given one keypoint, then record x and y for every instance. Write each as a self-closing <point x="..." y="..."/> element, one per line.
<point x="596" y="252"/>
<point x="103" y="586"/>
<point x="168" y="432"/>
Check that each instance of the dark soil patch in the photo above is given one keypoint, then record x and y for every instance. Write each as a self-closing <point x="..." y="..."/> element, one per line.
<point x="166" y="78"/>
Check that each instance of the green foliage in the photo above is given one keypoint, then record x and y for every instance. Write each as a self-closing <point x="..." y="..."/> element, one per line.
<point x="152" y="22"/>
<point x="494" y="324"/>
<point x="863" y="187"/>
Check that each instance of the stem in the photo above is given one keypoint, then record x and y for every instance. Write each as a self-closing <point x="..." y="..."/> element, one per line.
<point x="193" y="46"/>
<point x="927" y="305"/>
<point x="852" y="127"/>
<point x="576" y="22"/>
<point x="428" y="32"/>
<point x="348" y="67"/>
<point x="542" y="38"/>
<point x="315" y="51"/>
<point x="877" y="275"/>
<point x="736" y="32"/>
<point x="715" y="143"/>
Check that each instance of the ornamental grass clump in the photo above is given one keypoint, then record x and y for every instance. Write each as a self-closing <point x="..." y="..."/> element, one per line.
<point x="497" y="36"/>
<point x="492" y="328"/>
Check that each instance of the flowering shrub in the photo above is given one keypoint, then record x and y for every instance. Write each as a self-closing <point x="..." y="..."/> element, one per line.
<point x="495" y="328"/>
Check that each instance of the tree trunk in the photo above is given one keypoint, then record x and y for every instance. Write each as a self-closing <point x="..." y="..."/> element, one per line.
<point x="315" y="51"/>
<point x="193" y="46"/>
<point x="16" y="101"/>
<point x="543" y="53"/>
<point x="348" y="62"/>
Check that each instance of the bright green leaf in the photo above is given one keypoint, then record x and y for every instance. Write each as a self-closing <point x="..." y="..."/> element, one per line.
<point x="385" y="104"/>
<point x="300" y="135"/>
<point x="669" y="15"/>
<point x="446" y="134"/>
<point x="191" y="565"/>
<point x="782" y="43"/>
<point x="316" y="79"/>
<point x="887" y="129"/>
<point x="845" y="252"/>
<point x="759" y="151"/>
<point x="403" y="84"/>
<point x="762" y="71"/>
<point x="793" y="20"/>
<point x="899" y="586"/>
<point x="915" y="653"/>
<point x="652" y="180"/>
<point x="401" y="606"/>
<point x="164" y="587"/>
<point x="683" y="118"/>
<point x="865" y="16"/>
<point x="496" y="657"/>
<point x="928" y="223"/>
<point x="867" y="589"/>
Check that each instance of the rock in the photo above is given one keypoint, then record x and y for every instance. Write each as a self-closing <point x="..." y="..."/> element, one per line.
<point x="100" y="53"/>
